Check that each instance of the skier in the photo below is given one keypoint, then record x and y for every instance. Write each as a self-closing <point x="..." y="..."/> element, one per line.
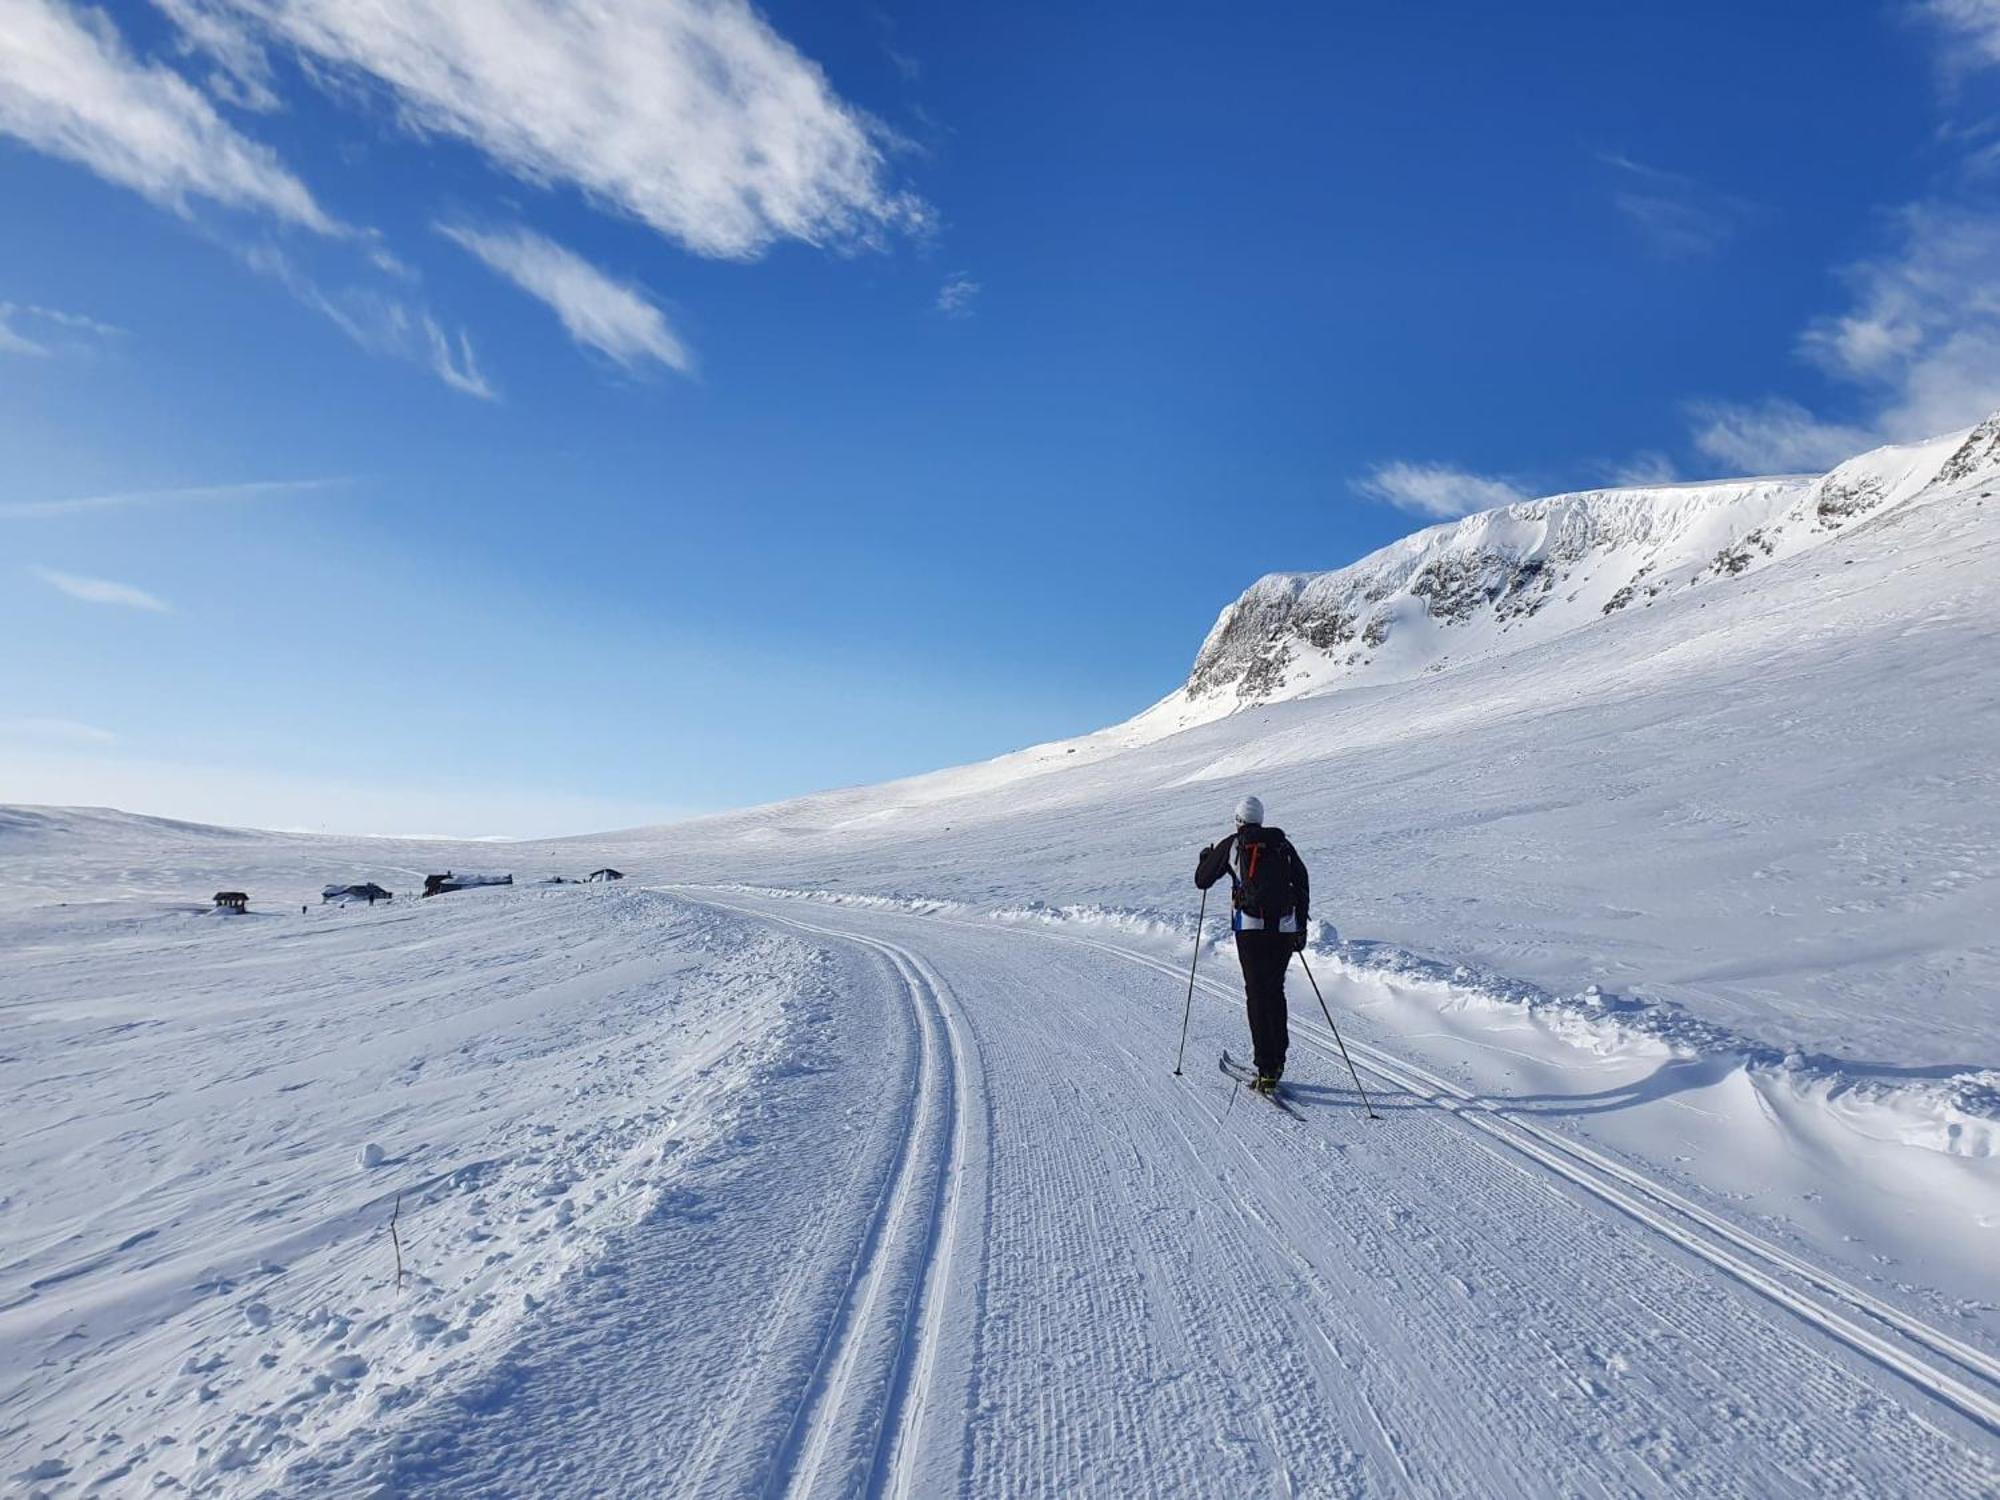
<point x="1271" y="895"/>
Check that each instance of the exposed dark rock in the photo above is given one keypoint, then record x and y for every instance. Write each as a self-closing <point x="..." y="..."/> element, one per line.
<point x="1842" y="498"/>
<point x="1980" y="451"/>
<point x="1740" y="553"/>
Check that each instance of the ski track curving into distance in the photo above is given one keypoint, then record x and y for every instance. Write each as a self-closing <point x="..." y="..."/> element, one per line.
<point x="860" y="1426"/>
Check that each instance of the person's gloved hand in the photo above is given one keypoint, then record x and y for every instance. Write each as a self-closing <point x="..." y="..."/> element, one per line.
<point x="1206" y="850"/>
<point x="1298" y="941"/>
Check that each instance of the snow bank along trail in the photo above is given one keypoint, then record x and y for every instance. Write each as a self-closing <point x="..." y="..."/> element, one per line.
<point x="197" y="1286"/>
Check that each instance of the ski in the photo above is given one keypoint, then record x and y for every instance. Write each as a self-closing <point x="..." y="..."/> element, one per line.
<point x="1236" y="1071"/>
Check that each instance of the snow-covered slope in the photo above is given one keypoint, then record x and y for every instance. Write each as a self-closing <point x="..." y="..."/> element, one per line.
<point x="1764" y="794"/>
<point x="1477" y="588"/>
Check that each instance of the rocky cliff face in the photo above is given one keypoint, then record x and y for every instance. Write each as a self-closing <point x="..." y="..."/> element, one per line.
<point x="1978" y="455"/>
<point x="1502" y="579"/>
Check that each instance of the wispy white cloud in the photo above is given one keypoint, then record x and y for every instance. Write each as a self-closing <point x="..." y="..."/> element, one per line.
<point x="1437" y="491"/>
<point x="70" y="87"/>
<point x="956" y="296"/>
<point x="18" y="343"/>
<point x="1773" y="436"/>
<point x="1971" y="23"/>
<point x="1674" y="228"/>
<point x="613" y="317"/>
<point x="906" y="64"/>
<point x="55" y="731"/>
<point x="76" y="322"/>
<point x="1919" y="345"/>
<point x="54" y="329"/>
<point x="692" y="116"/>
<point x="102" y="591"/>
<point x="242" y="72"/>
<point x="1645" y="470"/>
<point x="1676" y="216"/>
<point x="22" y="510"/>
<point x="1923" y="333"/>
<point x="453" y="361"/>
<point x="378" y="321"/>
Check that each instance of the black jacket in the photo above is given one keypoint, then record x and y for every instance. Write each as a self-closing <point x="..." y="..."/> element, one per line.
<point x="1214" y="864"/>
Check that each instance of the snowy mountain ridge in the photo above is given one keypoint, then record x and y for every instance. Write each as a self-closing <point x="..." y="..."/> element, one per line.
<point x="1499" y="580"/>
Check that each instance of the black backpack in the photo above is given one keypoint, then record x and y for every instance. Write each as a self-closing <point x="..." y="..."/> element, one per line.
<point x="1264" y="885"/>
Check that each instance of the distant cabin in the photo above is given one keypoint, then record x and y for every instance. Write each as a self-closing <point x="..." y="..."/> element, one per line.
<point x="367" y="891"/>
<point x="607" y="873"/>
<point x="231" y="901"/>
<point x="437" y="885"/>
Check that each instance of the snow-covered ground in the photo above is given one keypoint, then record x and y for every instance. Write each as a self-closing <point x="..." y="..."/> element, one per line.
<point x="837" y="1150"/>
<point x="213" y="1119"/>
<point x="713" y="1192"/>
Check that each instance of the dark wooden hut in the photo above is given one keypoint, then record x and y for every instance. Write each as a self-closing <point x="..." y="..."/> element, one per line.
<point x="367" y="891"/>
<point x="437" y="885"/>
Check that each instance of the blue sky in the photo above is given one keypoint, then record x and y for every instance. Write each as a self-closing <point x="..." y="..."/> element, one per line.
<point x="528" y="418"/>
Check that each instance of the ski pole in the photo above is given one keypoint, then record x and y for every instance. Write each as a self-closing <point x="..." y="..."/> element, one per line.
<point x="1199" y="922"/>
<point x="1336" y="1037"/>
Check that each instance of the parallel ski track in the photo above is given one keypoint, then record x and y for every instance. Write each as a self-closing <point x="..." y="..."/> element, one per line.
<point x="871" y="1392"/>
<point x="1707" y="1236"/>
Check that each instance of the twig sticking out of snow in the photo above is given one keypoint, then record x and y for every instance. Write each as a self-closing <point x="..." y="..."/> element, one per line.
<point x="396" y="1239"/>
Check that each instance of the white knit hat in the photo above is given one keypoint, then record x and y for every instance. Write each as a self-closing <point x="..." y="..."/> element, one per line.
<point x="1250" y="810"/>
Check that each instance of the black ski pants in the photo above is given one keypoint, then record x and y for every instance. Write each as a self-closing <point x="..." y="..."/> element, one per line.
<point x="1264" y="956"/>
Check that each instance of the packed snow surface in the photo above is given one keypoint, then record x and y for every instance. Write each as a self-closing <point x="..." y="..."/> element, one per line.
<point x="838" y="1150"/>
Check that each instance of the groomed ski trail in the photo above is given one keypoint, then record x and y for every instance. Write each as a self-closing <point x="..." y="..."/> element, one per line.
<point x="1183" y="1298"/>
<point x="1696" y="1230"/>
